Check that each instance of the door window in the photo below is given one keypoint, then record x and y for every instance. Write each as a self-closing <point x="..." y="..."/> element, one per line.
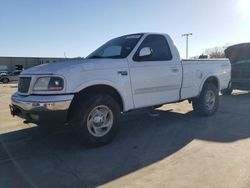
<point x="159" y="48"/>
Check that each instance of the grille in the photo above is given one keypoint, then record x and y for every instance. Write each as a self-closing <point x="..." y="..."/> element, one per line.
<point x="24" y="84"/>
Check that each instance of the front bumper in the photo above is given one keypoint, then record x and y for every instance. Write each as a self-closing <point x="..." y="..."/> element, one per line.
<point x="41" y="108"/>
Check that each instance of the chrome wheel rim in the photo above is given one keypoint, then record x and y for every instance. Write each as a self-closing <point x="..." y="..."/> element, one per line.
<point x="100" y="121"/>
<point x="210" y="100"/>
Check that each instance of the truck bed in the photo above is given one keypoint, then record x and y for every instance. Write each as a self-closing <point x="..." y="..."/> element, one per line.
<point x="196" y="71"/>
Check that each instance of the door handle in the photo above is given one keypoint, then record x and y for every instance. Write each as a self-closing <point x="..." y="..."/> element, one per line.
<point x="122" y="73"/>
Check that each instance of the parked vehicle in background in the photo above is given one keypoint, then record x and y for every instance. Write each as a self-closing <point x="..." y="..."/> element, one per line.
<point x="13" y="76"/>
<point x="126" y="73"/>
<point x="239" y="56"/>
<point x="3" y="70"/>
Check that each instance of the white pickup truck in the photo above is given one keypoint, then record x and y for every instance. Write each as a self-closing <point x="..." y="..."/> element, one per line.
<point x="126" y="73"/>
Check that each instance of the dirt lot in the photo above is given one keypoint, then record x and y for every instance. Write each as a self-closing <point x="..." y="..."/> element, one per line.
<point x="176" y="149"/>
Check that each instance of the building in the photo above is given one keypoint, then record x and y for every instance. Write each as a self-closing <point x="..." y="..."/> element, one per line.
<point x="12" y="63"/>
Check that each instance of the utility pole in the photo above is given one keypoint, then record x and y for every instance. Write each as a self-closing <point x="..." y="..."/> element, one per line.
<point x="64" y="53"/>
<point x="187" y="35"/>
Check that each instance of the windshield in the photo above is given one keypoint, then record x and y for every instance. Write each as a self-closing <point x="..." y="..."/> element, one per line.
<point x="116" y="48"/>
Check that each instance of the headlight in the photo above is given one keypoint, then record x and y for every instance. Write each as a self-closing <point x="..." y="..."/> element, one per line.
<point x="49" y="84"/>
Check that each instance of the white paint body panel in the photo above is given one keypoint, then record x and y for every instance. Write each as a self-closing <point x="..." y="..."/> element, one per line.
<point x="154" y="82"/>
<point x="196" y="72"/>
<point x="147" y="83"/>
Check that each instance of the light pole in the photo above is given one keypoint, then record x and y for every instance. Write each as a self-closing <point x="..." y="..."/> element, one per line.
<point x="187" y="35"/>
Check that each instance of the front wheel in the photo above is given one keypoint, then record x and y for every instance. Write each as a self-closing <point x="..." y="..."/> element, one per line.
<point x="96" y="120"/>
<point x="208" y="101"/>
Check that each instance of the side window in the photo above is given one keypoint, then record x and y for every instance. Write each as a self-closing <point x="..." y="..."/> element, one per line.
<point x="159" y="47"/>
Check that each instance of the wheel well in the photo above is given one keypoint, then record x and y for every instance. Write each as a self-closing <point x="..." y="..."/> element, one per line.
<point x="212" y="80"/>
<point x="90" y="91"/>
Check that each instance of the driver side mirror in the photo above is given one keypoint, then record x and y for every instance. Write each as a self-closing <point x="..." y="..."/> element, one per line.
<point x="145" y="52"/>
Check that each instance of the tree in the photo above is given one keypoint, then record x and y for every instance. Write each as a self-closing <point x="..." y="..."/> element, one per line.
<point x="215" y="52"/>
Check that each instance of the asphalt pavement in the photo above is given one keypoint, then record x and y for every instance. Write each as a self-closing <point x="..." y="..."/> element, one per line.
<point x="175" y="149"/>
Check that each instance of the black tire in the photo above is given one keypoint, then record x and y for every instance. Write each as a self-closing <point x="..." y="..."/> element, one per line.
<point x="203" y="108"/>
<point x="82" y="113"/>
<point x="227" y="91"/>
<point x="5" y="80"/>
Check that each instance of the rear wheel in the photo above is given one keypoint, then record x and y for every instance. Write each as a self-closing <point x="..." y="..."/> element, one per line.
<point x="208" y="101"/>
<point x="96" y="120"/>
<point x="5" y="80"/>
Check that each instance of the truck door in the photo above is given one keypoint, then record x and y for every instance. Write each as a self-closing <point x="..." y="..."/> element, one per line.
<point x="156" y="78"/>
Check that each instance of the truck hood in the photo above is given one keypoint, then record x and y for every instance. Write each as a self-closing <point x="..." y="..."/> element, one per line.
<point x="52" y="68"/>
<point x="75" y="66"/>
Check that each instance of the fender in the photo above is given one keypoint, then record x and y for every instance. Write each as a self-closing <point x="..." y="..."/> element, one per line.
<point x="126" y="103"/>
<point x="96" y="82"/>
<point x="209" y="75"/>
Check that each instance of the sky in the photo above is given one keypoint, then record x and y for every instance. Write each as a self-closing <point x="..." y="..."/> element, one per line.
<point x="54" y="28"/>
